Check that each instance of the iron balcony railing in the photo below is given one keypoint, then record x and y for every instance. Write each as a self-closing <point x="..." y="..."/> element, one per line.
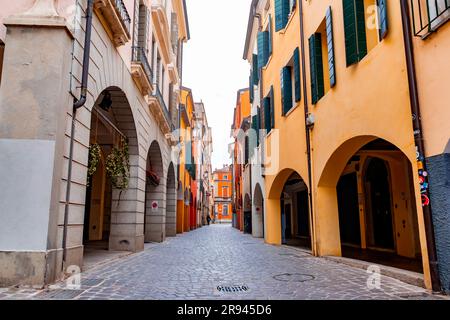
<point x="158" y="95"/>
<point x="140" y="56"/>
<point x="123" y="13"/>
<point x="429" y="15"/>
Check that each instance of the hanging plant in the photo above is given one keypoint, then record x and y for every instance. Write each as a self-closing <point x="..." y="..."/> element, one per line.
<point x="118" y="166"/>
<point x="95" y="154"/>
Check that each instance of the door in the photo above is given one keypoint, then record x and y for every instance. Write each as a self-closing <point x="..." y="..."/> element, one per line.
<point x="348" y="206"/>
<point x="379" y="192"/>
<point x="303" y="214"/>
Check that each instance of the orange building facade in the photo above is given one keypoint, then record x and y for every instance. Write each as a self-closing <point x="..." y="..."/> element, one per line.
<point x="223" y="192"/>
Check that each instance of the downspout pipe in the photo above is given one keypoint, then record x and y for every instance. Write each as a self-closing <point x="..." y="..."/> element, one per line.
<point x="418" y="137"/>
<point x="78" y="103"/>
<point x="308" y="133"/>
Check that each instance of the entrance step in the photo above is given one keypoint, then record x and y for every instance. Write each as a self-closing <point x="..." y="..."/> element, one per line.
<point x="409" y="277"/>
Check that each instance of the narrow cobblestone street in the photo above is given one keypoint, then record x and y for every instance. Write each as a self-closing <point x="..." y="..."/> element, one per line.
<point x="193" y="266"/>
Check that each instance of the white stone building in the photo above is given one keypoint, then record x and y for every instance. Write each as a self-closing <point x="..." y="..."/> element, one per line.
<point x="135" y="61"/>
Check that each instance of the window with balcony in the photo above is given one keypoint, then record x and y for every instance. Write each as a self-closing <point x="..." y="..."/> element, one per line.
<point x="429" y="15"/>
<point x="116" y="20"/>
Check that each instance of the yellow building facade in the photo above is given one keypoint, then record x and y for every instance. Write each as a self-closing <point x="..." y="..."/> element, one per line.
<point x="341" y="160"/>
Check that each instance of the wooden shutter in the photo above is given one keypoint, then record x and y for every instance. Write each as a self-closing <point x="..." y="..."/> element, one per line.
<point x="251" y="87"/>
<point x="382" y="19"/>
<point x="263" y="48"/>
<point x="255" y="69"/>
<point x="298" y="95"/>
<point x="270" y="35"/>
<point x="272" y="109"/>
<point x="361" y="29"/>
<point x="330" y="43"/>
<point x="351" y="46"/>
<point x="282" y="11"/>
<point x="286" y="90"/>
<point x="266" y="104"/>
<point x="316" y="66"/>
<point x="258" y="124"/>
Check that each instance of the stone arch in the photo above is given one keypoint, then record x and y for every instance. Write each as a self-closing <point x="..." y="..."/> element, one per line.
<point x="155" y="194"/>
<point x="113" y="109"/>
<point x="274" y="215"/>
<point x="171" y="203"/>
<point x="258" y="213"/>
<point x="352" y="158"/>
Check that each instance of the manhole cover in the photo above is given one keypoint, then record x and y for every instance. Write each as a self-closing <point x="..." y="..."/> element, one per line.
<point x="232" y="289"/>
<point x="91" y="282"/>
<point x="294" y="277"/>
<point x="60" y="294"/>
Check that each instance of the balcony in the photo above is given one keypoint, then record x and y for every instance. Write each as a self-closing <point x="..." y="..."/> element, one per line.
<point x="162" y="29"/>
<point x="429" y="15"/>
<point x="159" y="110"/>
<point x="114" y="16"/>
<point x="141" y="71"/>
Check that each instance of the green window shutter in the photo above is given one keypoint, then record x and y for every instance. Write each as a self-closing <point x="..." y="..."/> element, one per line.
<point x="382" y="19"/>
<point x="251" y="87"/>
<point x="263" y="48"/>
<point x="361" y="29"/>
<point x="330" y="43"/>
<point x="258" y="125"/>
<point x="316" y="66"/>
<point x="351" y="46"/>
<point x="272" y="109"/>
<point x="286" y="90"/>
<point x="255" y="70"/>
<point x="282" y="11"/>
<point x="298" y="94"/>
<point x="266" y="104"/>
<point x="270" y="35"/>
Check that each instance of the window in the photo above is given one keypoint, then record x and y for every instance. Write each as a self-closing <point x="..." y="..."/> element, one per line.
<point x="225" y="192"/>
<point x="439" y="12"/>
<point x="225" y="210"/>
<point x="321" y="53"/>
<point x="361" y="37"/>
<point x="225" y="177"/>
<point x="290" y="83"/>
<point x="263" y="49"/>
<point x="283" y="11"/>
<point x="269" y="115"/>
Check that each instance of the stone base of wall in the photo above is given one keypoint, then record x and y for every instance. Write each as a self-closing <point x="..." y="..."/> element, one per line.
<point x="23" y="268"/>
<point x="439" y="176"/>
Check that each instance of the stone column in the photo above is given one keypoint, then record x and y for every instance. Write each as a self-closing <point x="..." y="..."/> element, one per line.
<point x="34" y="100"/>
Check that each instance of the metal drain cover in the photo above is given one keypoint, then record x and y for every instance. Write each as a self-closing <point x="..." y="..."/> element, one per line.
<point x="294" y="277"/>
<point x="60" y="294"/>
<point x="232" y="289"/>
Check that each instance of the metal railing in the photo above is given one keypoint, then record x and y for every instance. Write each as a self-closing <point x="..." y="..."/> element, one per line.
<point x="429" y="15"/>
<point x="140" y="56"/>
<point x="123" y="13"/>
<point x="158" y="95"/>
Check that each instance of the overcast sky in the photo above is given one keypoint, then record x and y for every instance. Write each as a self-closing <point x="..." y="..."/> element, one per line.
<point x="213" y="65"/>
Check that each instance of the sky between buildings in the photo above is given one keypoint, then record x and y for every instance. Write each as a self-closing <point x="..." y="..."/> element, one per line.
<point x="213" y="65"/>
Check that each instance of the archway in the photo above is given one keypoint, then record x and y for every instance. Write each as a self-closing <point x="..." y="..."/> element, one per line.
<point x="247" y="206"/>
<point x="287" y="210"/>
<point x="258" y="213"/>
<point x="112" y="129"/>
<point x="171" y="205"/>
<point x="155" y="196"/>
<point x="368" y="188"/>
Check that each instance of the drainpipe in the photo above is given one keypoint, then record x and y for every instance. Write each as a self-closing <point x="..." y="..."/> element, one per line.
<point x="308" y="133"/>
<point x="418" y="137"/>
<point x="78" y="103"/>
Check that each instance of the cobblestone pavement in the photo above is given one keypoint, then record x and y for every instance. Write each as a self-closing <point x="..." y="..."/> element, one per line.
<point x="194" y="265"/>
